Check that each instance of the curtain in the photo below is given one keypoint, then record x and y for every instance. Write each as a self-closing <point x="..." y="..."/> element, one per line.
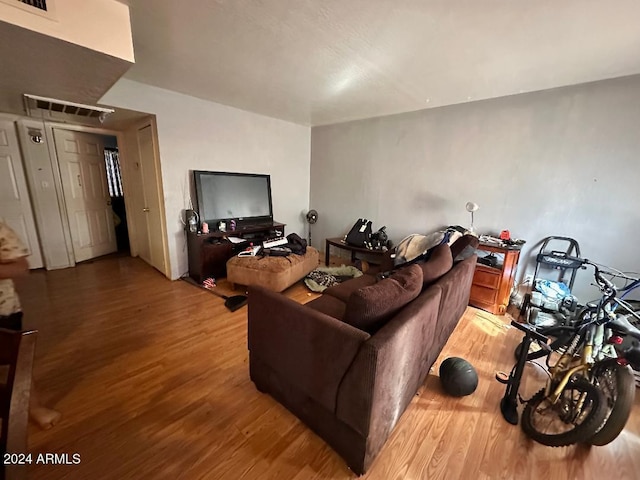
<point x="114" y="178"/>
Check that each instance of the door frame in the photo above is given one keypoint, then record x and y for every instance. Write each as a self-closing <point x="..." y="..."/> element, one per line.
<point x="127" y="182"/>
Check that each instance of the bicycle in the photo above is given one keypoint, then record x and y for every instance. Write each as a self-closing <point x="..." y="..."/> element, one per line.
<point x="619" y="305"/>
<point x="589" y="391"/>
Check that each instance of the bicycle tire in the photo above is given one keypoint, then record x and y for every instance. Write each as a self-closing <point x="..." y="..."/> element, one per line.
<point x="591" y="422"/>
<point x="619" y="403"/>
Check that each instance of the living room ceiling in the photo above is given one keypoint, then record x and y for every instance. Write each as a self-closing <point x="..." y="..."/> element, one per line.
<point x="31" y="62"/>
<point x="319" y="62"/>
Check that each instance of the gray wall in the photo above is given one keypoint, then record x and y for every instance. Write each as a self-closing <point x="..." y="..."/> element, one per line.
<point x="558" y="162"/>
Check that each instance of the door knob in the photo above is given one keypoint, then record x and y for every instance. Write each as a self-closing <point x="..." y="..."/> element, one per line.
<point x="145" y="209"/>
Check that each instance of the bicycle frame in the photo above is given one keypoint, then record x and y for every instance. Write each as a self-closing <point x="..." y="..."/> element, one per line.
<point x="568" y="365"/>
<point x="591" y="339"/>
<point x="620" y="302"/>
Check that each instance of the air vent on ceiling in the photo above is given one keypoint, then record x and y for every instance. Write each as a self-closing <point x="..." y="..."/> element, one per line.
<point x="41" y="4"/>
<point x="43" y="8"/>
<point x="37" y="106"/>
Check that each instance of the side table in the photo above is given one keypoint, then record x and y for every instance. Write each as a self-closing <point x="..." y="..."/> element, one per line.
<point x="340" y="243"/>
<point x="492" y="284"/>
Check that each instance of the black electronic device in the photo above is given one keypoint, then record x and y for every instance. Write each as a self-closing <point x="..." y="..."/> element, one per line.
<point x="224" y="196"/>
<point x="490" y="260"/>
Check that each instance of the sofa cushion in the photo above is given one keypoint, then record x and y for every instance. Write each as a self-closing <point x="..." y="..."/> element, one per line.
<point x="368" y="308"/>
<point x="464" y="247"/>
<point x="328" y="305"/>
<point x="440" y="262"/>
<point x="344" y="290"/>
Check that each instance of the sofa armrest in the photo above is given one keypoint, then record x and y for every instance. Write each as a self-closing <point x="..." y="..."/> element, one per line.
<point x="388" y="371"/>
<point x="302" y="346"/>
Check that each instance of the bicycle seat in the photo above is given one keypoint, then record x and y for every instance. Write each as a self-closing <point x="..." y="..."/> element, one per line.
<point x="622" y="325"/>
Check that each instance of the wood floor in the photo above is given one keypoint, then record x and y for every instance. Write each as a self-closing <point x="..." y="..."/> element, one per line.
<point x="152" y="379"/>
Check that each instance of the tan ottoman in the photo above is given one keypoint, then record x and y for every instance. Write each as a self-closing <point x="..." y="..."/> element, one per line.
<point x="274" y="273"/>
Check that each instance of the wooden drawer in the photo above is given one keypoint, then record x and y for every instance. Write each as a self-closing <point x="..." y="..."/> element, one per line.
<point x="482" y="295"/>
<point x="486" y="278"/>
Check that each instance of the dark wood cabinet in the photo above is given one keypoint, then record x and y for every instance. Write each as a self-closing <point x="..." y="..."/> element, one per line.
<point x="492" y="284"/>
<point x="208" y="252"/>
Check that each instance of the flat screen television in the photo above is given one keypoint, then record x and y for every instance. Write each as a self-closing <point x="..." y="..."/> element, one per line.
<point x="243" y="197"/>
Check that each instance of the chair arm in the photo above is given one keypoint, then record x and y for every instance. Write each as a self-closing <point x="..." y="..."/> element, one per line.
<point x="304" y="347"/>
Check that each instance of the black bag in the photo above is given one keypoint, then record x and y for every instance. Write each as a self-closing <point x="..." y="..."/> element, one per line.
<point x="380" y="239"/>
<point x="360" y="234"/>
<point x="296" y="244"/>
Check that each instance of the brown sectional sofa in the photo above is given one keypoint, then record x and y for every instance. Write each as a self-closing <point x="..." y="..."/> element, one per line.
<point x="351" y="384"/>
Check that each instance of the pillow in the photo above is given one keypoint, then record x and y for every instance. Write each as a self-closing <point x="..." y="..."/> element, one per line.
<point x="464" y="247"/>
<point x="370" y="307"/>
<point x="440" y="262"/>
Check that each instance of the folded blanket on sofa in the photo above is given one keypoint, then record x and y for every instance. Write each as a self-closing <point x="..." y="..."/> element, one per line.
<point x="416" y="247"/>
<point x="324" y="277"/>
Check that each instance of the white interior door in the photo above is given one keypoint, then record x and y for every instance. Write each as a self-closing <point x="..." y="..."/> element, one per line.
<point x="84" y="183"/>
<point x="15" y="205"/>
<point x="152" y="208"/>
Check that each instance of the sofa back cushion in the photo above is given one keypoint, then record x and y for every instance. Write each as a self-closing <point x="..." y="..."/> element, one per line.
<point x="455" y="285"/>
<point x="464" y="247"/>
<point x="368" y="308"/>
<point x="440" y="262"/>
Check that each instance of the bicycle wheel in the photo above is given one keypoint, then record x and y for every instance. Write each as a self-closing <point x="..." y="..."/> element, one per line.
<point x="618" y="386"/>
<point x="575" y="417"/>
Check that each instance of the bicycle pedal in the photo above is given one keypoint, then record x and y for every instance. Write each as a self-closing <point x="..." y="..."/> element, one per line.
<point x="502" y="377"/>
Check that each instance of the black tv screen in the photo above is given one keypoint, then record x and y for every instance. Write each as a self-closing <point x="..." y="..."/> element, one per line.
<point x="245" y="197"/>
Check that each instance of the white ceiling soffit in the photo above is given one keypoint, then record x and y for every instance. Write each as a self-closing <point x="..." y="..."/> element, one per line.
<point x="319" y="62"/>
<point x="42" y="65"/>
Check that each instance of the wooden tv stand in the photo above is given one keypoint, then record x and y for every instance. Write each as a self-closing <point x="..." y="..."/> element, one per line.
<point x="209" y="252"/>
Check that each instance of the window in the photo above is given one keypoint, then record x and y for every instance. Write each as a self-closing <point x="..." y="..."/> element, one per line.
<point x="114" y="179"/>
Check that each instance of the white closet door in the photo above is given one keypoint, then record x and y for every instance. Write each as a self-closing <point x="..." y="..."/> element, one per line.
<point x="15" y="205"/>
<point x="153" y="205"/>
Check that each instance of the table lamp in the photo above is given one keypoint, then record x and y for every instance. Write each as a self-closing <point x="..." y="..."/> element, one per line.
<point x="471" y="207"/>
